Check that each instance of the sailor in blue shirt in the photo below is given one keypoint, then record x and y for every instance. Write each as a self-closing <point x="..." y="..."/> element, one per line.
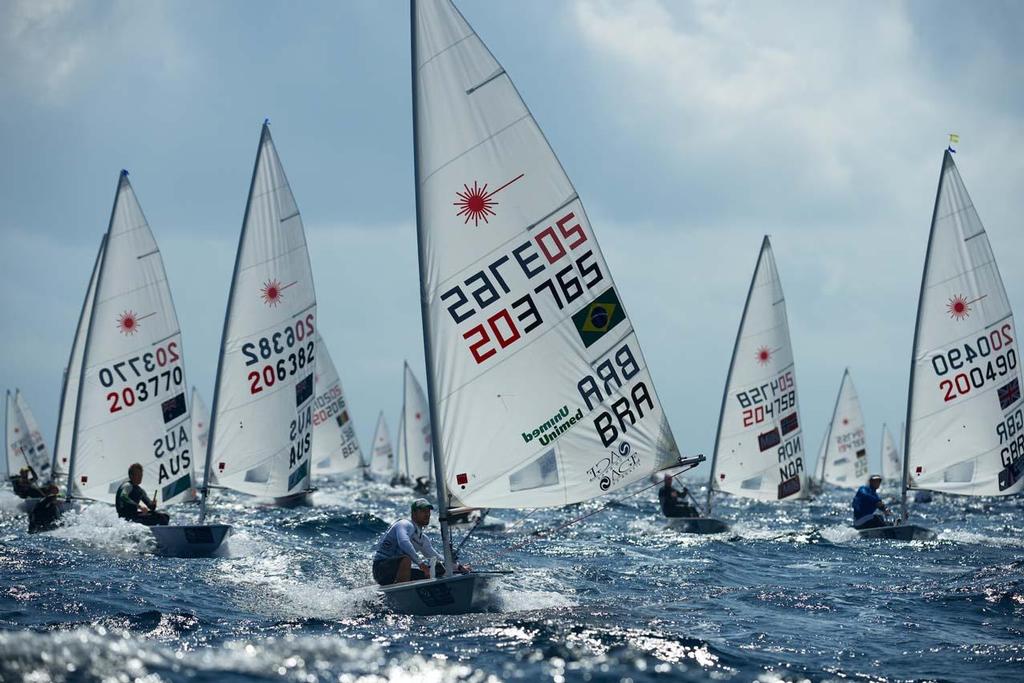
<point x="868" y="506"/>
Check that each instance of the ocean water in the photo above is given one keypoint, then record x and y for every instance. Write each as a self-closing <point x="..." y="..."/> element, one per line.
<point x="790" y="594"/>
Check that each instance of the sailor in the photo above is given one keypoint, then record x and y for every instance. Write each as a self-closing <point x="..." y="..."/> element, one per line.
<point x="868" y="506"/>
<point x="405" y="553"/>
<point x="46" y="513"/>
<point x="25" y="486"/>
<point x="675" y="503"/>
<point x="422" y="485"/>
<point x="134" y="505"/>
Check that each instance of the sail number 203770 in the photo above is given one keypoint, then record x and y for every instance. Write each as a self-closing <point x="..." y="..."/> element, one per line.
<point x="146" y="376"/>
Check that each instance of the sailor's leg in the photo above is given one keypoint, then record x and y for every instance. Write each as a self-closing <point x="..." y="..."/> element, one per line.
<point x="404" y="570"/>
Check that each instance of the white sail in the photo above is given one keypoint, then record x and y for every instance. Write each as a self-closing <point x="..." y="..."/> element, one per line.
<point x="541" y="389"/>
<point x="132" y="405"/>
<point x="759" y="446"/>
<point x="964" y="420"/>
<point x="200" y="435"/>
<point x="414" y="432"/>
<point x="261" y="436"/>
<point x="72" y="374"/>
<point x="892" y="464"/>
<point x="335" y="446"/>
<point x="846" y="457"/>
<point x="17" y="439"/>
<point x="401" y="456"/>
<point x="382" y="462"/>
<point x="819" y="464"/>
<point x="37" y="454"/>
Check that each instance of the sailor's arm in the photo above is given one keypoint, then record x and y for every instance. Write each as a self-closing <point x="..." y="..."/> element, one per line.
<point x="405" y="543"/>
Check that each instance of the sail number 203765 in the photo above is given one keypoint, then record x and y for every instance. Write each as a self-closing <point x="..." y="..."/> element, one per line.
<point x="554" y="247"/>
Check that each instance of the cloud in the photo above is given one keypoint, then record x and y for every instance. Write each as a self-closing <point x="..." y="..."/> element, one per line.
<point x="794" y="113"/>
<point x="55" y="49"/>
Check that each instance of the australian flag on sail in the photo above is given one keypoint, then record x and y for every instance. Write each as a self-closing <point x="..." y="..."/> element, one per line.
<point x="1009" y="393"/>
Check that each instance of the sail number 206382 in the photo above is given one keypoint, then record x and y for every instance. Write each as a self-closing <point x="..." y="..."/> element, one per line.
<point x="292" y="348"/>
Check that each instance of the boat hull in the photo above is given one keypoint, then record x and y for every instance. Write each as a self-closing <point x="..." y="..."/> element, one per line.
<point x="459" y="594"/>
<point x="301" y="499"/>
<point x="902" y="532"/>
<point x="698" y="525"/>
<point x="201" y="540"/>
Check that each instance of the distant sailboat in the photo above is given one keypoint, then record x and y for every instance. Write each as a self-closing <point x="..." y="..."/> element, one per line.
<point x="261" y="428"/>
<point x="414" y="435"/>
<point x="72" y="374"/>
<point x="892" y="466"/>
<point x="131" y="404"/>
<point x="25" y="444"/>
<point x="538" y="391"/>
<point x="335" y="446"/>
<point x="759" y="444"/>
<point x="964" y="413"/>
<point x="382" y="462"/>
<point x="846" y="456"/>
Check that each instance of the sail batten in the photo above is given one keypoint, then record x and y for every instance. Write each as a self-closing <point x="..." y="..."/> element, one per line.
<point x="539" y="389"/>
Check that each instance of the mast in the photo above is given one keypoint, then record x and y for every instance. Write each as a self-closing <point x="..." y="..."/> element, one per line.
<point x="211" y="433"/>
<point x="7" y="443"/>
<point x="100" y="266"/>
<point x="435" y="441"/>
<point x="74" y="345"/>
<point x="728" y="377"/>
<point x="401" y="424"/>
<point x="946" y="158"/>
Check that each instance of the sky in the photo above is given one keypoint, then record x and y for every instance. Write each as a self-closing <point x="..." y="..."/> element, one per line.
<point x="690" y="130"/>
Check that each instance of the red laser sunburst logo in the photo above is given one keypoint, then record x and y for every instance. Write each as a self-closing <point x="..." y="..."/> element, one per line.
<point x="959" y="307"/>
<point x="764" y="355"/>
<point x="273" y="292"/>
<point x="128" y="323"/>
<point x="476" y="203"/>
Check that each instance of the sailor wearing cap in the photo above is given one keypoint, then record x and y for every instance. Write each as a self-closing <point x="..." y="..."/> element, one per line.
<point x="868" y="506"/>
<point x="405" y="553"/>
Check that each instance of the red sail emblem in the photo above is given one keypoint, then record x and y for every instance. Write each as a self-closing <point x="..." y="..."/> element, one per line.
<point x="476" y="203"/>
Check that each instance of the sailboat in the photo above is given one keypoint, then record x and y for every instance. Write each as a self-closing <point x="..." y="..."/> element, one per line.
<point x="200" y="436"/>
<point x="69" y="387"/>
<point x="964" y="431"/>
<point x="261" y="429"/>
<point x="892" y="466"/>
<point x="382" y="461"/>
<point x="414" y="435"/>
<point x="538" y="391"/>
<point x="131" y="404"/>
<point x="25" y="444"/>
<point x="335" y="446"/>
<point x="759" y="443"/>
<point x="845" y="462"/>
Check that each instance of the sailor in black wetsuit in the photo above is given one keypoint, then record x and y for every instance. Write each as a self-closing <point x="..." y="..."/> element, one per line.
<point x="674" y="503"/>
<point x="24" y="487"/>
<point x="134" y="505"/>
<point x="46" y="514"/>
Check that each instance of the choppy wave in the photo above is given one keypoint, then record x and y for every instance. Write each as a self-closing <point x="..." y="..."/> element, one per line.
<point x="789" y="593"/>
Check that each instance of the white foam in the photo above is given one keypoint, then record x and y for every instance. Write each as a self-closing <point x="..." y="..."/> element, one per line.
<point x="98" y="525"/>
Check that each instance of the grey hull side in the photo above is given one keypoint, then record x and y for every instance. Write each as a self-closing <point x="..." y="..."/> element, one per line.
<point x="200" y="540"/>
<point x="301" y="499"/>
<point x="903" y="532"/>
<point x="698" y="525"/>
<point x="460" y="594"/>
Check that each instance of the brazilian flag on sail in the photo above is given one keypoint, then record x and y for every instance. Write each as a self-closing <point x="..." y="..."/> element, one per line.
<point x="595" y="319"/>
